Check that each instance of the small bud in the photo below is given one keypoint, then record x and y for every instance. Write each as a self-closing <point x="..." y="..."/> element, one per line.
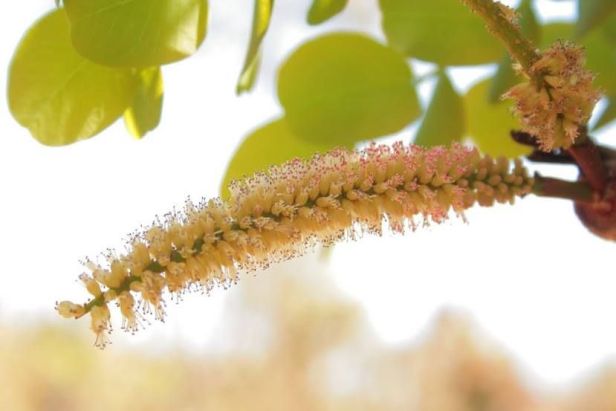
<point x="110" y="295"/>
<point x="127" y="308"/>
<point x="68" y="309"/>
<point x="91" y="285"/>
<point x="100" y="317"/>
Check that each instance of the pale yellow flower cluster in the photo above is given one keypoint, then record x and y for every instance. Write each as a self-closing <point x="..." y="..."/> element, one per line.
<point x="279" y="214"/>
<point x="559" y="97"/>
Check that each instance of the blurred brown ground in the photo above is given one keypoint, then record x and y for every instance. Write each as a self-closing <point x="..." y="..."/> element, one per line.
<point x="319" y="354"/>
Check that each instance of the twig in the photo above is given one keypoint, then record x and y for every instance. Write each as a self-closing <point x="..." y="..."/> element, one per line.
<point x="553" y="187"/>
<point x="500" y="24"/>
<point x="588" y="158"/>
<point x="552" y="158"/>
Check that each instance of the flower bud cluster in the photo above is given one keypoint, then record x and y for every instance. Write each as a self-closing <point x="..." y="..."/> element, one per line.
<point x="558" y="99"/>
<point x="279" y="214"/>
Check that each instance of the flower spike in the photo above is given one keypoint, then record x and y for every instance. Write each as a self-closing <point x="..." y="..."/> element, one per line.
<point x="279" y="214"/>
<point x="558" y="99"/>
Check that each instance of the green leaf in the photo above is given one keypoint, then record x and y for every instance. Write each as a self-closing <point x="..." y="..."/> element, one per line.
<point x="260" y="23"/>
<point x="345" y="87"/>
<point x="529" y="25"/>
<point x="248" y="77"/>
<point x="609" y="29"/>
<point x="608" y="115"/>
<point x="489" y="124"/>
<point x="444" y="119"/>
<point x="144" y="114"/>
<point x="601" y="60"/>
<point x="591" y="13"/>
<point x="269" y="145"/>
<point x="56" y="93"/>
<point x="323" y="10"/>
<point x="137" y="33"/>
<point x="445" y="32"/>
<point x="553" y="32"/>
<point x="505" y="76"/>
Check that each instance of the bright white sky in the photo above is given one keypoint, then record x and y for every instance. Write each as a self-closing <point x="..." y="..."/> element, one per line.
<point x="533" y="278"/>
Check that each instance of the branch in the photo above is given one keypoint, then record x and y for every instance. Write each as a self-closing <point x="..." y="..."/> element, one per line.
<point x="558" y="98"/>
<point x="538" y="156"/>
<point x="590" y="162"/>
<point x="500" y="21"/>
<point x="553" y="187"/>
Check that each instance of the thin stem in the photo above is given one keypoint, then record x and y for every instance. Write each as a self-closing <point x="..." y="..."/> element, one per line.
<point x="550" y="157"/>
<point x="524" y="138"/>
<point x="553" y="187"/>
<point x="589" y="158"/>
<point x="502" y="27"/>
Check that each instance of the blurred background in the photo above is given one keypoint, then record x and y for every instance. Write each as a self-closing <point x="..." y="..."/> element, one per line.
<point x="513" y="310"/>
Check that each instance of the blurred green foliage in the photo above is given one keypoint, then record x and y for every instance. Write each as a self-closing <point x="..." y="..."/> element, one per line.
<point x="143" y="115"/>
<point x="445" y="32"/>
<point x="444" y="120"/>
<point x="271" y="144"/>
<point x="489" y="123"/>
<point x="592" y="13"/>
<point x="323" y="10"/>
<point x="71" y="76"/>
<point x="260" y="23"/>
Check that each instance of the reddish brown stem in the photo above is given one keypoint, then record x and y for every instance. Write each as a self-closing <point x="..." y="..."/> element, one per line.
<point x="558" y="156"/>
<point x="588" y="158"/>
<point x="553" y="187"/>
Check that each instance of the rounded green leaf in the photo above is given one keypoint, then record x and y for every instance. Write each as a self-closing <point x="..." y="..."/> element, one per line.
<point x="345" y="87"/>
<point x="272" y="144"/>
<point x="144" y="113"/>
<point x="323" y="10"/>
<point x="56" y="93"/>
<point x="442" y="31"/>
<point x="489" y="124"/>
<point x="137" y="33"/>
<point x="444" y="120"/>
